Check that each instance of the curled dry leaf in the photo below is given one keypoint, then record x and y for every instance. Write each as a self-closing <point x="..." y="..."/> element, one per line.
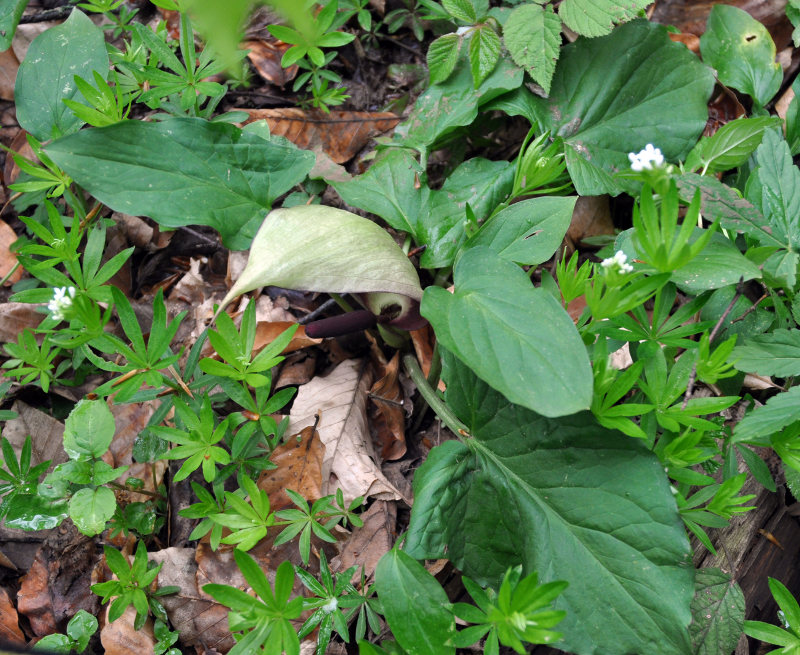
<point x="299" y="460"/>
<point x="387" y="412"/>
<point x="8" y="259"/>
<point x="367" y="544"/>
<point x="340" y="134"/>
<point x="9" y="621"/>
<point x="266" y="333"/>
<point x="15" y="317"/>
<point x="350" y="462"/>
<point x="121" y="638"/>
<point x="266" y="59"/>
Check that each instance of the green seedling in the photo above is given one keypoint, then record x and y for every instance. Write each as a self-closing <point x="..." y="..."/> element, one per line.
<point x="248" y="521"/>
<point x="209" y="505"/>
<point x="80" y="629"/>
<point x="265" y="620"/>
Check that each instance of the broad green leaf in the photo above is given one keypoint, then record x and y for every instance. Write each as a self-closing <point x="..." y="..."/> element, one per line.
<point x="319" y="248"/>
<point x="778" y="412"/>
<point x="731" y="145"/>
<point x="527" y="232"/>
<point x="90" y="509"/>
<point x="442" y="57"/>
<point x="415" y="605"/>
<point x="463" y="10"/>
<point x="517" y="338"/>
<point x="792" y="118"/>
<point x="748" y="322"/>
<point x="774" y="188"/>
<point x="47" y="75"/>
<point x="184" y="171"/>
<point x="742" y="51"/>
<point x="34" y="512"/>
<point x="89" y="429"/>
<point x="445" y="107"/>
<point x="519" y="102"/>
<point x="597" y="17"/>
<point x="484" y="52"/>
<point x="606" y="105"/>
<point x="10" y="13"/>
<point x="719" y="201"/>
<point x="775" y="353"/>
<point x="717" y="613"/>
<point x="532" y="35"/>
<point x="568" y="499"/>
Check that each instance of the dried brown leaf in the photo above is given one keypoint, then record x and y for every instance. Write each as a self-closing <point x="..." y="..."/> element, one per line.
<point x="367" y="544"/>
<point x="591" y="217"/>
<point x="299" y="468"/>
<point x="266" y="59"/>
<point x="340" y="134"/>
<point x="47" y="434"/>
<point x="9" y="64"/>
<point x="298" y="369"/>
<point x="15" y="317"/>
<point x="9" y="621"/>
<point x="8" y="259"/>
<point x="350" y="462"/>
<point x="387" y="412"/>
<point x="267" y="332"/>
<point x="121" y="638"/>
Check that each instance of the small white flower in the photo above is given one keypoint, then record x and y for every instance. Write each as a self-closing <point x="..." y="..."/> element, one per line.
<point x="62" y="300"/>
<point x="646" y="159"/>
<point x="330" y="606"/>
<point x="618" y="261"/>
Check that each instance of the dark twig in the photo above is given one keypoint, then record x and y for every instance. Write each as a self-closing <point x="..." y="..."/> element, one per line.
<point x="319" y="311"/>
<point x="750" y="309"/>
<point x="48" y="14"/>
<point x="728" y="309"/>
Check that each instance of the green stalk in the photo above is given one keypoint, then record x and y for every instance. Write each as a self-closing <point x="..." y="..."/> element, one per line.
<point x="434" y="402"/>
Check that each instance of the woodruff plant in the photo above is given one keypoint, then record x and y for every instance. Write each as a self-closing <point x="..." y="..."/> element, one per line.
<point x="551" y="404"/>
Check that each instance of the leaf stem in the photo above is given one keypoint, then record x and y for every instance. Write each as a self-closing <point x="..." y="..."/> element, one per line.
<point x="427" y="392"/>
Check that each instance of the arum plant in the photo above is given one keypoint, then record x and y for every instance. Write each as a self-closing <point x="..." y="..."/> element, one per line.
<point x="318" y="248"/>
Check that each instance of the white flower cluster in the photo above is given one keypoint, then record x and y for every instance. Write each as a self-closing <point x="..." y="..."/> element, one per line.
<point x="618" y="261"/>
<point x="647" y="159"/>
<point x="62" y="300"/>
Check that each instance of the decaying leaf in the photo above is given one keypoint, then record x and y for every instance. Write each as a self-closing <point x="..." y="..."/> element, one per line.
<point x="9" y="621"/>
<point x="266" y="59"/>
<point x="299" y="460"/>
<point x="47" y="434"/>
<point x="267" y="332"/>
<point x="387" y="412"/>
<point x="367" y="544"/>
<point x="8" y="259"/>
<point x="121" y="638"/>
<point x="15" y="317"/>
<point x="340" y="134"/>
<point x="591" y="217"/>
<point x="350" y="462"/>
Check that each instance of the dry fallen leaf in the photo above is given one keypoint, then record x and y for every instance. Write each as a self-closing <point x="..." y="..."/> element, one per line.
<point x="47" y="434"/>
<point x="266" y="59"/>
<point x="9" y="621"/>
<point x="8" y="259"/>
<point x="9" y="64"/>
<point x="121" y="638"/>
<point x="299" y="461"/>
<point x="267" y="332"/>
<point x="367" y="544"/>
<point x="387" y="412"/>
<point x="340" y="134"/>
<point x="591" y="217"/>
<point x="15" y="317"/>
<point x="350" y="461"/>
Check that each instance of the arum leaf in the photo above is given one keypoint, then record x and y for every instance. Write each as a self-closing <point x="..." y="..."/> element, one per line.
<point x="318" y="248"/>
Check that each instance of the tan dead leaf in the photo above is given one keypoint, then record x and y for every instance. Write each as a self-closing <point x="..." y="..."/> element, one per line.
<point x="267" y="332"/>
<point x="58" y="582"/>
<point x="121" y="638"/>
<point x="691" y="41"/>
<point x="266" y="59"/>
<point x="47" y="434"/>
<point x="200" y="620"/>
<point x="591" y="217"/>
<point x="367" y="544"/>
<point x="299" y="461"/>
<point x="327" y="169"/>
<point x="298" y="369"/>
<point x="130" y="420"/>
<point x="423" y="341"/>
<point x="139" y="232"/>
<point x="387" y="413"/>
<point x="9" y="621"/>
<point x="19" y="144"/>
<point x="782" y="104"/>
<point x="15" y="317"/>
<point x="9" y="64"/>
<point x="350" y="462"/>
<point x="8" y="259"/>
<point x="340" y="134"/>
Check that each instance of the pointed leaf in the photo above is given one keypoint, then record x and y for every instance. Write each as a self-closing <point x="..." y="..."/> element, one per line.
<point x="532" y="35"/>
<point x="484" y="51"/>
<point x="717" y="613"/>
<point x="597" y="17"/>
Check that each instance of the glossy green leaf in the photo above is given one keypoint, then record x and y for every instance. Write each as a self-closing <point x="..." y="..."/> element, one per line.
<point x="46" y="76"/>
<point x="527" y="232"/>
<point x="10" y="13"/>
<point x="731" y="145"/>
<point x="742" y="51"/>
<point x="532" y="34"/>
<point x="89" y="429"/>
<point x="656" y="93"/>
<point x="778" y="412"/>
<point x="517" y="338"/>
<point x="484" y="52"/>
<point x="319" y="248"/>
<point x="775" y="353"/>
<point x="184" y="171"/>
<point x="597" y="17"/>
<point x="717" y="613"/>
<point x="568" y="499"/>
<point x="442" y="57"/>
<point x="33" y="512"/>
<point x="774" y="188"/>
<point x="90" y="509"/>
<point x="719" y="201"/>
<point x="415" y="605"/>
